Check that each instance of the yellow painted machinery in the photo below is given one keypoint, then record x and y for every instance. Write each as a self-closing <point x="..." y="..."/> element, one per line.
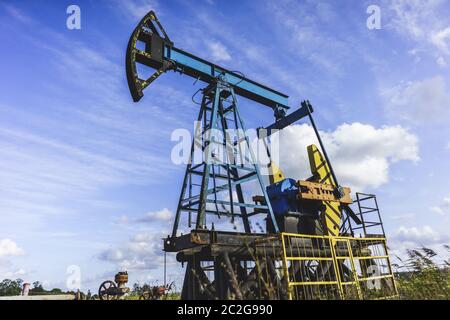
<point x="329" y="251"/>
<point x="323" y="258"/>
<point x="315" y="197"/>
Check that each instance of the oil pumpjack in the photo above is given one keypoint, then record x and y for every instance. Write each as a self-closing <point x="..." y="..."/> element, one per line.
<point x="313" y="246"/>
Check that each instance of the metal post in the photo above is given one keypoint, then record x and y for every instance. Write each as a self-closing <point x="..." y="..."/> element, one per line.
<point x="186" y="176"/>
<point x="201" y="215"/>
<point x="256" y="167"/>
<point x="311" y="119"/>
<point x="165" y="268"/>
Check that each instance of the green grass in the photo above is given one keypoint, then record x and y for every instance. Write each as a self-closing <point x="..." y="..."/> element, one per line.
<point x="170" y="296"/>
<point x="419" y="277"/>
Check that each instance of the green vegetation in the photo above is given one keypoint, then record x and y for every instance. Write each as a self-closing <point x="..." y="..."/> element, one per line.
<point x="137" y="290"/>
<point x="14" y="288"/>
<point x="11" y="287"/>
<point x="420" y="277"/>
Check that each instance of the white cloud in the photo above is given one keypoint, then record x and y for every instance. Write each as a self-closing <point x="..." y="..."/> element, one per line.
<point x="420" y="101"/>
<point x="142" y="252"/>
<point x="441" y="39"/>
<point x="361" y="154"/>
<point x="441" y="61"/>
<point x="161" y="215"/>
<point x="437" y="210"/>
<point x="407" y="238"/>
<point x="419" y="236"/>
<point x="10" y="248"/>
<point x="218" y="51"/>
<point x="12" y="274"/>
<point x="443" y="208"/>
<point x="446" y="201"/>
<point x="150" y="217"/>
<point x="406" y="216"/>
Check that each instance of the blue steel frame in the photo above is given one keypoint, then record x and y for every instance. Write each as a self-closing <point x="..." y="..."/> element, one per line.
<point x="158" y="52"/>
<point x="207" y="71"/>
<point x="216" y="97"/>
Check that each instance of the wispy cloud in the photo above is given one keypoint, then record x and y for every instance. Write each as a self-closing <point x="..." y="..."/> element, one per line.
<point x="17" y="14"/>
<point x="441" y="39"/>
<point x="443" y="208"/>
<point x="424" y="22"/>
<point x="424" y="101"/>
<point x="87" y="138"/>
<point x="40" y="174"/>
<point x="135" y="9"/>
<point x="405" y="216"/>
<point x="308" y="38"/>
<point x="218" y="51"/>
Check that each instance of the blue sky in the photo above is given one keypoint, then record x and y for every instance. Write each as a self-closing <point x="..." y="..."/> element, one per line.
<point x="85" y="174"/>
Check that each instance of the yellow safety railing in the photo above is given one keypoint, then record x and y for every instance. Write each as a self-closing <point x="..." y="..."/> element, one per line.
<point x="329" y="267"/>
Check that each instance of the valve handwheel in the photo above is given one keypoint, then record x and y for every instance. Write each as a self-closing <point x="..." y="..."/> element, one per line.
<point x="107" y="290"/>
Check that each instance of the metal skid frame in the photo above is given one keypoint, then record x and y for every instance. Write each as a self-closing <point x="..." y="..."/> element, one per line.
<point x="230" y="265"/>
